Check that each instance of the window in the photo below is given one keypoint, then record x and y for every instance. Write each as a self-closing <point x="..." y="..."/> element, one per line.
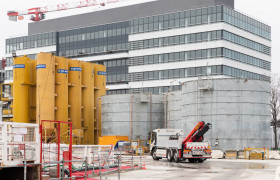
<point x="214" y="53"/>
<point x="177" y="56"/>
<point x="151" y="43"/>
<point x="146" y="59"/>
<point x="146" y="43"/>
<point x="165" y="74"/>
<point x="156" y="59"/>
<point x="204" y="19"/>
<point x="165" y="41"/>
<point x="146" y="75"/>
<point x="198" y="19"/>
<point x="204" y="54"/>
<point x="156" y="43"/>
<point x="165" y="58"/>
<point x="151" y="75"/>
<point x="151" y="60"/>
<point x="170" y="73"/>
<point x="198" y="37"/>
<point x="198" y="71"/>
<point x="182" y="73"/>
<point x="192" y="55"/>
<point x="161" y="76"/>
<point x="192" y="38"/>
<point x="176" y="73"/>
<point x="156" y="75"/>
<point x="171" y="57"/>
<point x="182" y="39"/>
<point x="214" y="70"/>
<point x="198" y="54"/>
<point x="192" y="72"/>
<point x="219" y="70"/>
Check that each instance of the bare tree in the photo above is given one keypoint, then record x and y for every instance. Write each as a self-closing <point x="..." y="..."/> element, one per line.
<point x="275" y="105"/>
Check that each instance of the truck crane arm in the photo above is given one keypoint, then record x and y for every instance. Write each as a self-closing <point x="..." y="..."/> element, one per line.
<point x="198" y="126"/>
<point x="196" y="135"/>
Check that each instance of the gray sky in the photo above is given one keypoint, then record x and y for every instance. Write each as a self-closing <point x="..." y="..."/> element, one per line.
<point x="266" y="11"/>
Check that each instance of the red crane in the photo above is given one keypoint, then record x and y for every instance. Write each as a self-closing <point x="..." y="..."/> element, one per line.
<point x="196" y="135"/>
<point x="38" y="13"/>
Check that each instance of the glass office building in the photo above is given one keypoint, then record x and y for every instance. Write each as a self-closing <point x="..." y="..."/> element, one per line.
<point x="157" y="45"/>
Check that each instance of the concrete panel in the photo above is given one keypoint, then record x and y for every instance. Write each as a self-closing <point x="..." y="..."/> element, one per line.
<point x="238" y="110"/>
<point x="146" y="111"/>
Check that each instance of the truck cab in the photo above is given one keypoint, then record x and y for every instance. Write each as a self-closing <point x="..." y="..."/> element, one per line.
<point x="166" y="138"/>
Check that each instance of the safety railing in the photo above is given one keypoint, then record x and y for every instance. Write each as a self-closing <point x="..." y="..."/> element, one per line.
<point x="256" y="153"/>
<point x="98" y="162"/>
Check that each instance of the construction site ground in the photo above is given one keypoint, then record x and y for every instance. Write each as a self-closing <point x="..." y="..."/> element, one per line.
<point x="212" y="169"/>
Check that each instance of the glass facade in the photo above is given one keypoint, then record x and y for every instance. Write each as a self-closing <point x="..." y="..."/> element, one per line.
<point x="196" y="72"/>
<point x="246" y="23"/>
<point x="9" y="75"/>
<point x="29" y="42"/>
<point x="153" y="90"/>
<point x="119" y="91"/>
<point x="117" y="71"/>
<point x="198" y="55"/>
<point x="197" y="38"/>
<point x="198" y="17"/>
<point x="95" y="40"/>
<point x="9" y="61"/>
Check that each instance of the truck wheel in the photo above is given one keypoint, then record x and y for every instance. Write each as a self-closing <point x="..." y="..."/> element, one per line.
<point x="169" y="156"/>
<point x="154" y="154"/>
<point x="176" y="157"/>
<point x="192" y="160"/>
<point x="200" y="160"/>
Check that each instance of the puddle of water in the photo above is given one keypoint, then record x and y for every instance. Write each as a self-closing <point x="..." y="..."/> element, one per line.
<point x="248" y="166"/>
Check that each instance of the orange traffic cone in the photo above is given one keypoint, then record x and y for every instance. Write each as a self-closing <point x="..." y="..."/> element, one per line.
<point x="144" y="166"/>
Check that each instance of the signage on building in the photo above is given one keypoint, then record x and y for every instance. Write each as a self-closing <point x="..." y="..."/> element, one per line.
<point x="40" y="66"/>
<point x="75" y="69"/>
<point x="101" y="73"/>
<point x="19" y="66"/>
<point x="63" y="71"/>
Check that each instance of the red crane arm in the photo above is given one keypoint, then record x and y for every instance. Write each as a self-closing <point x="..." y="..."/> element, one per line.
<point x="39" y="12"/>
<point x="198" y="126"/>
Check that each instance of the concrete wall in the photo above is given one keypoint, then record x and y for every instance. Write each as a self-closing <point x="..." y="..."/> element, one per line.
<point x="238" y="110"/>
<point x="175" y="111"/>
<point x="147" y="115"/>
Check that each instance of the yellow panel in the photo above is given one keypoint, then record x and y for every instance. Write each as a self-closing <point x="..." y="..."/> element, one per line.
<point x="88" y="101"/>
<point x="61" y="90"/>
<point x="43" y="90"/>
<point x="21" y="81"/>
<point x="74" y="93"/>
<point x="32" y="98"/>
<point x="108" y="140"/>
<point x="100" y="90"/>
<point x="45" y="87"/>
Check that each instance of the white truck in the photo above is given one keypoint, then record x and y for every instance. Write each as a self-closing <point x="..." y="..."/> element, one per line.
<point x="170" y="144"/>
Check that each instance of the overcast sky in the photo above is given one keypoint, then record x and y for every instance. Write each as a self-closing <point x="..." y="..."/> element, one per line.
<point x="266" y="11"/>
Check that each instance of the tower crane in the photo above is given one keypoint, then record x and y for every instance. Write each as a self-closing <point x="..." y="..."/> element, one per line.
<point x="38" y="13"/>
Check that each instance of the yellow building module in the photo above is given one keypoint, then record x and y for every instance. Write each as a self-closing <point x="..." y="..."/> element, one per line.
<point x="60" y="89"/>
